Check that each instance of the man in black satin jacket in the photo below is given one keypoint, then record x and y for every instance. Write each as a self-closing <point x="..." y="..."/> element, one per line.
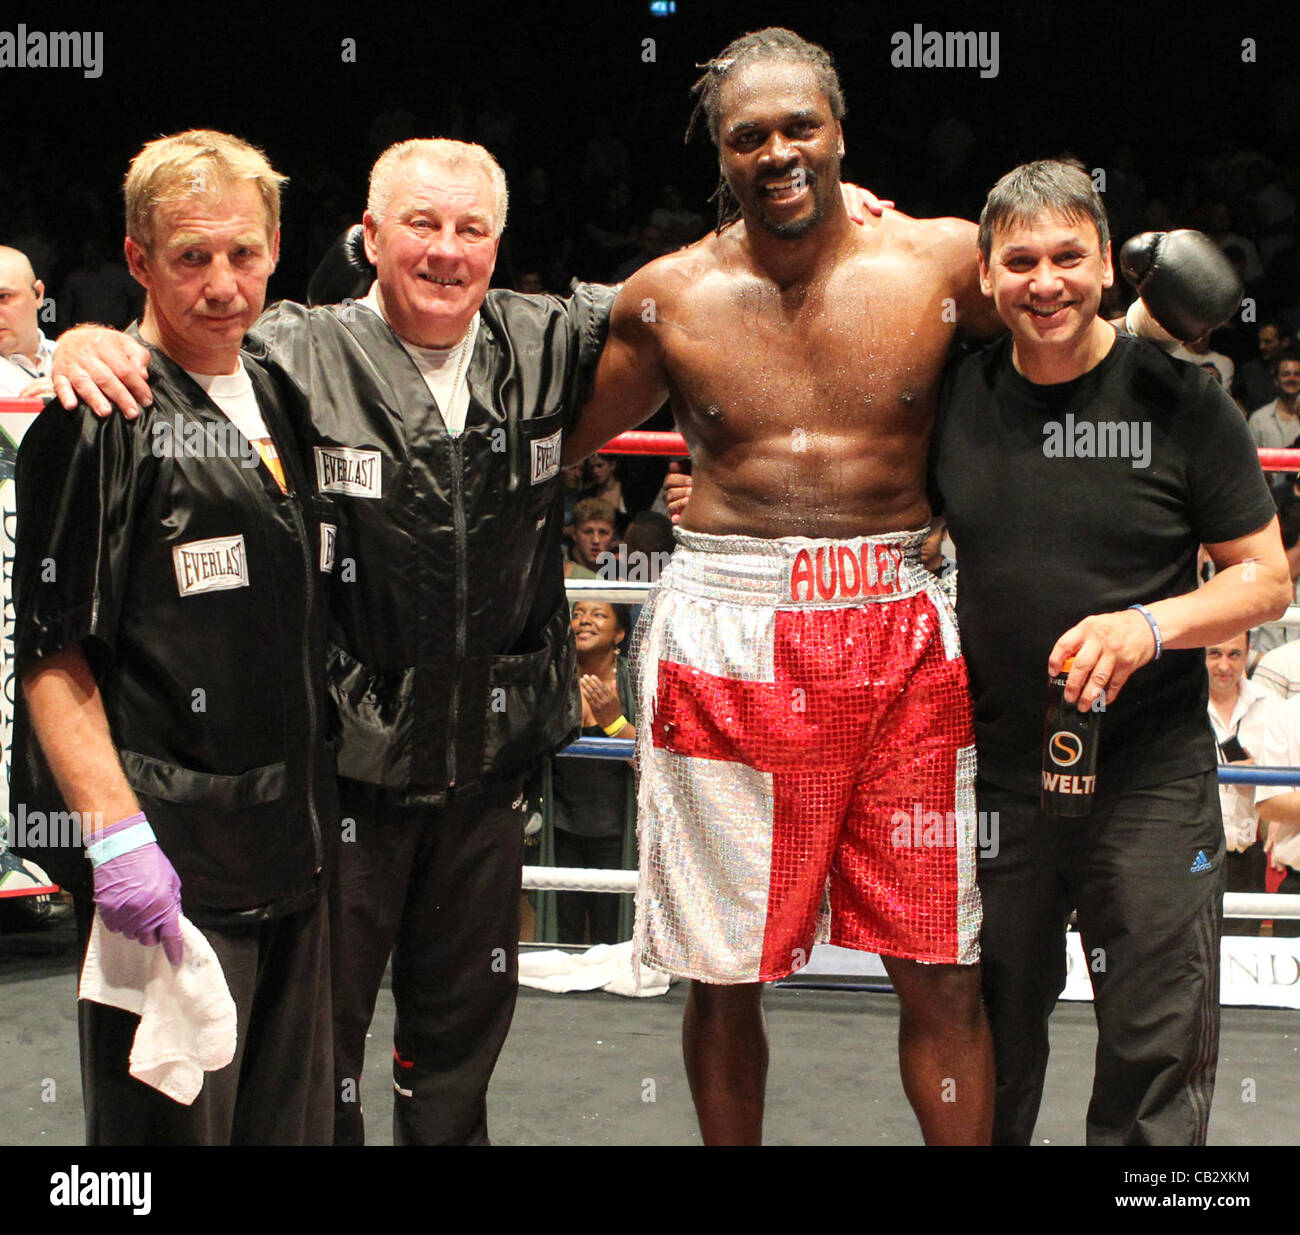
<point x="169" y="632"/>
<point x="437" y="409"/>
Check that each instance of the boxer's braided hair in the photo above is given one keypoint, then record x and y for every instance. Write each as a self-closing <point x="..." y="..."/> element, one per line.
<point x="774" y="43"/>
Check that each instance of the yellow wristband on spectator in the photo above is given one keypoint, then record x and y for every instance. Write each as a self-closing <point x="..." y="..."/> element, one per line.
<point x="612" y="729"/>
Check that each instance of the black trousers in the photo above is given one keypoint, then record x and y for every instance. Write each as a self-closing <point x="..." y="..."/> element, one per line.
<point x="276" y="1090"/>
<point x="1150" y="927"/>
<point x="439" y="889"/>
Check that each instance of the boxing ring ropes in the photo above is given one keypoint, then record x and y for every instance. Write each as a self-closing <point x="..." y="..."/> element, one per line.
<point x="577" y="879"/>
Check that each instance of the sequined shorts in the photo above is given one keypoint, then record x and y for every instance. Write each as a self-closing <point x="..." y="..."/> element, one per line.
<point x="807" y="771"/>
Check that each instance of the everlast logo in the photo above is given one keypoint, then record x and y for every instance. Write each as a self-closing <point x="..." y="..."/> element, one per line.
<point x="341" y="469"/>
<point x="210" y="565"/>
<point x="327" y="534"/>
<point x="840" y="572"/>
<point x="546" y="457"/>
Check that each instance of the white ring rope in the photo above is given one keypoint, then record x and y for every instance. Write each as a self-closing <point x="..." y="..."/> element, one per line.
<point x="1260" y="905"/>
<point x="576" y="879"/>
<point x="579" y="879"/>
<point x="613" y="592"/>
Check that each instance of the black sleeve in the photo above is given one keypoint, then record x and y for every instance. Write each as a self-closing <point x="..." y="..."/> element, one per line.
<point x="1228" y="496"/>
<point x="77" y="483"/>
<point x="282" y="337"/>
<point x="588" y="310"/>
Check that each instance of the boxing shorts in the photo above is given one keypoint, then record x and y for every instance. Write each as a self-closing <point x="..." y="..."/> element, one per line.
<point x="806" y="759"/>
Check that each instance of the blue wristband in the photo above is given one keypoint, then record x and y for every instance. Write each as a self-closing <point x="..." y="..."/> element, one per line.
<point x="1155" y="629"/>
<point x="135" y="837"/>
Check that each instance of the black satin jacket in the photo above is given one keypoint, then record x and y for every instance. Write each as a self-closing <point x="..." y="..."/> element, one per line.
<point x="451" y="663"/>
<point x="167" y="551"/>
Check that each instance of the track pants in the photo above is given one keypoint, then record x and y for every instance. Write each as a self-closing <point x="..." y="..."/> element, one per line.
<point x="1146" y="873"/>
<point x="439" y="889"/>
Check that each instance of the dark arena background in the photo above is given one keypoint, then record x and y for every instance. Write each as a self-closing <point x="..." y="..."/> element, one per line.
<point x="1188" y="113"/>
<point x="1171" y="100"/>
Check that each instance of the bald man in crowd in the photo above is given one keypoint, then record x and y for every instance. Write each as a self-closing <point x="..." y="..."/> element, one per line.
<point x="26" y="352"/>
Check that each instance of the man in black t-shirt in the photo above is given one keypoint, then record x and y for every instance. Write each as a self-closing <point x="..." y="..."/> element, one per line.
<point x="1079" y="470"/>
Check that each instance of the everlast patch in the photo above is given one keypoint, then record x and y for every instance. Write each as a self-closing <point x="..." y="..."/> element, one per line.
<point x="210" y="565"/>
<point x="343" y="469"/>
<point x="546" y="457"/>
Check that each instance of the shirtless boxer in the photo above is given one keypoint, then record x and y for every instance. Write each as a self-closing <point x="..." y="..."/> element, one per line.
<point x="805" y="691"/>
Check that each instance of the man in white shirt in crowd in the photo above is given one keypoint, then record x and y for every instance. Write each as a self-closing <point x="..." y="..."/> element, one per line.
<point x="1283" y="670"/>
<point x="1278" y="671"/>
<point x="1240" y="711"/>
<point x="1277" y="424"/>
<point x="26" y="352"/>
<point x="1279" y="805"/>
<point x="25" y="355"/>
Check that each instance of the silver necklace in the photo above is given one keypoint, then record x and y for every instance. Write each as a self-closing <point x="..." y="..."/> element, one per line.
<point x="462" y="366"/>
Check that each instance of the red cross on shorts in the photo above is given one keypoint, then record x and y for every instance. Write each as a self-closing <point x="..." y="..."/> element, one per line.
<point x="835" y="674"/>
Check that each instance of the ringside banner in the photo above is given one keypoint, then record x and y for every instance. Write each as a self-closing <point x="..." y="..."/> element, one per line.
<point x="16" y="417"/>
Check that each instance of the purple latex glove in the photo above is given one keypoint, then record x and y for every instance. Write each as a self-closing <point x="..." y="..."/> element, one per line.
<point x="138" y="894"/>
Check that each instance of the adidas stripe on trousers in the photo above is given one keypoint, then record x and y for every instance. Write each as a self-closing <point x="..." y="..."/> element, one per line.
<point x="1150" y="927"/>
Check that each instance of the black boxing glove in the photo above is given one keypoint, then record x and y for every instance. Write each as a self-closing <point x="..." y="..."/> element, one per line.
<point x="345" y="272"/>
<point x="1187" y="284"/>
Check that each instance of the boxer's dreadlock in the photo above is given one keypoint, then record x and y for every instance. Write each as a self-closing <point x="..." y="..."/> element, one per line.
<point x="774" y="43"/>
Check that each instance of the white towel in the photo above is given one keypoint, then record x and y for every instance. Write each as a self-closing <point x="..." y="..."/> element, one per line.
<point x="187" y="1017"/>
<point x="603" y="967"/>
